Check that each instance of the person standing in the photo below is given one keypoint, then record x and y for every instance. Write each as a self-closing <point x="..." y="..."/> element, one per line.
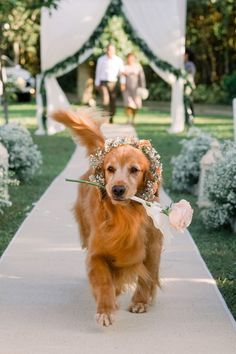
<point x="190" y="68"/>
<point x="134" y="79"/>
<point x="109" y="68"/>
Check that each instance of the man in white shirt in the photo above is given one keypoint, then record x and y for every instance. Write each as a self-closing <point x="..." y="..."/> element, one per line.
<point x="109" y="68"/>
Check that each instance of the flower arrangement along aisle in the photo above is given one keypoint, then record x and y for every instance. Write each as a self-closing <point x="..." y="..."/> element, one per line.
<point x="220" y="188"/>
<point x="186" y="166"/>
<point x="24" y="157"/>
<point x="4" y="180"/>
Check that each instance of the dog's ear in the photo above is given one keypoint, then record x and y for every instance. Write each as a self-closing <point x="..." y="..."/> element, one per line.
<point x="156" y="184"/>
<point x="147" y="176"/>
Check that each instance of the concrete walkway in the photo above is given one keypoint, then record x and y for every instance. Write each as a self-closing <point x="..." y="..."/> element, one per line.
<point x="46" y="304"/>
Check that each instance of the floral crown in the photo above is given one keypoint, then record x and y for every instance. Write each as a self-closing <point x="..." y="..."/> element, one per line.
<point x="96" y="162"/>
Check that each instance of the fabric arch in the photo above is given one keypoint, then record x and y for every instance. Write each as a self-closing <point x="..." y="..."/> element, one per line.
<point x="69" y="32"/>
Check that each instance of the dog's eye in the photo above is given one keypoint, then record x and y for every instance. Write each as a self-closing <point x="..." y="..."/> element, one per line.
<point x="134" y="169"/>
<point x="111" y="169"/>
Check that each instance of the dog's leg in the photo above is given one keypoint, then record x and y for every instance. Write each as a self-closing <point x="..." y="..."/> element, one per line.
<point x="146" y="288"/>
<point x="103" y="289"/>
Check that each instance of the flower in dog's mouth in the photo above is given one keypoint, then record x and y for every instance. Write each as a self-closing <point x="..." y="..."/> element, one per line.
<point x="96" y="162"/>
<point x="179" y="214"/>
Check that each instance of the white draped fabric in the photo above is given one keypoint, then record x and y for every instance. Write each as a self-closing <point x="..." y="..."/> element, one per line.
<point x="64" y="30"/>
<point x="56" y="99"/>
<point x="161" y="24"/>
<point x="158" y="24"/>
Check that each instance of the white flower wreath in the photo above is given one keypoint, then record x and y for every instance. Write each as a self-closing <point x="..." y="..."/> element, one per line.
<point x="96" y="162"/>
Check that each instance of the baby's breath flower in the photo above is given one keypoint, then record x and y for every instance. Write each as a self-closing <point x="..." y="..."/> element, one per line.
<point x="220" y="189"/>
<point x="186" y="166"/>
<point x="4" y="179"/>
<point x="24" y="156"/>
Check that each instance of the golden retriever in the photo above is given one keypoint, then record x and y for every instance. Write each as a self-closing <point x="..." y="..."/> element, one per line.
<point x="123" y="246"/>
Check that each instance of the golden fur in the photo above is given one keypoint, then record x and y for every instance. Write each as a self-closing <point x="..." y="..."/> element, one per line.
<point x="122" y="243"/>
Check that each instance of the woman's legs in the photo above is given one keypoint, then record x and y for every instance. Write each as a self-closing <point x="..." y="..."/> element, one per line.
<point x="130" y="112"/>
<point x="133" y="116"/>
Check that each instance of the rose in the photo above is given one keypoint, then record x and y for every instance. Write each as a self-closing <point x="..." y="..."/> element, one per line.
<point x="180" y="215"/>
<point x="144" y="143"/>
<point x="159" y="170"/>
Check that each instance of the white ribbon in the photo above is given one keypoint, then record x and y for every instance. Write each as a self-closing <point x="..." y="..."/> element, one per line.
<point x="160" y="220"/>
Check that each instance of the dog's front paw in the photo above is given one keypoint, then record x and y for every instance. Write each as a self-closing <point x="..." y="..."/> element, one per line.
<point x="104" y="319"/>
<point x="138" y="307"/>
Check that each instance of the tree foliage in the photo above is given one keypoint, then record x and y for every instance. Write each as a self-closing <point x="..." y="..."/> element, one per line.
<point x="20" y="27"/>
<point x="114" y="33"/>
<point x="21" y="37"/>
<point x="211" y="33"/>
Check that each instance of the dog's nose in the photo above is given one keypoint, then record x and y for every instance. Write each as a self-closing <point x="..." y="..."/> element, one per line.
<point x="118" y="191"/>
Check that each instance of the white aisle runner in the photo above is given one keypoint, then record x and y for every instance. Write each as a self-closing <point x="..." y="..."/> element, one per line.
<point x="46" y="305"/>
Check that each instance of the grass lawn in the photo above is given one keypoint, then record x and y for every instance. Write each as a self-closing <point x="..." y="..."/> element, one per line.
<point x="56" y="151"/>
<point x="218" y="248"/>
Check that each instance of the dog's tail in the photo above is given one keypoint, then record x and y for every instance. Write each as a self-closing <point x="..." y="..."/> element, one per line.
<point x="83" y="127"/>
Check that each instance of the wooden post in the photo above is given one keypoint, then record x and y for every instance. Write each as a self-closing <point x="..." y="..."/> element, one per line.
<point x="206" y="163"/>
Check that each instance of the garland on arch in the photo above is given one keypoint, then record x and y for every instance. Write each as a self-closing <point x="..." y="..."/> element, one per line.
<point x="114" y="8"/>
<point x="161" y="64"/>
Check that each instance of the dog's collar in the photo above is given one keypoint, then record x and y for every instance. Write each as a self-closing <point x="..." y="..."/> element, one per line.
<point x="96" y="162"/>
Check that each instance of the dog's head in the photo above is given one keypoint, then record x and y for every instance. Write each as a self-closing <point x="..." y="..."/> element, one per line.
<point x="126" y="170"/>
<point x="126" y="167"/>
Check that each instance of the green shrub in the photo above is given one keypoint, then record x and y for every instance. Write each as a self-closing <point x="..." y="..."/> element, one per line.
<point x="4" y="196"/>
<point x="211" y="94"/>
<point x="220" y="188"/>
<point x="222" y="92"/>
<point x="159" y="91"/>
<point x="24" y="156"/>
<point x="186" y="166"/>
<point x="200" y="94"/>
<point x="229" y="84"/>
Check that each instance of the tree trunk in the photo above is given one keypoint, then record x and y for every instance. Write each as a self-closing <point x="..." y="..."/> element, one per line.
<point x="4" y="96"/>
<point x="213" y="65"/>
<point x="226" y="55"/>
<point x="4" y="92"/>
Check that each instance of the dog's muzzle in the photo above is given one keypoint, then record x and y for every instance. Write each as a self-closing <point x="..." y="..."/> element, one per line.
<point x="118" y="192"/>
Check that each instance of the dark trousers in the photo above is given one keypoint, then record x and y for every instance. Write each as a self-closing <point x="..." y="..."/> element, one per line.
<point x="189" y="109"/>
<point x="108" y="91"/>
